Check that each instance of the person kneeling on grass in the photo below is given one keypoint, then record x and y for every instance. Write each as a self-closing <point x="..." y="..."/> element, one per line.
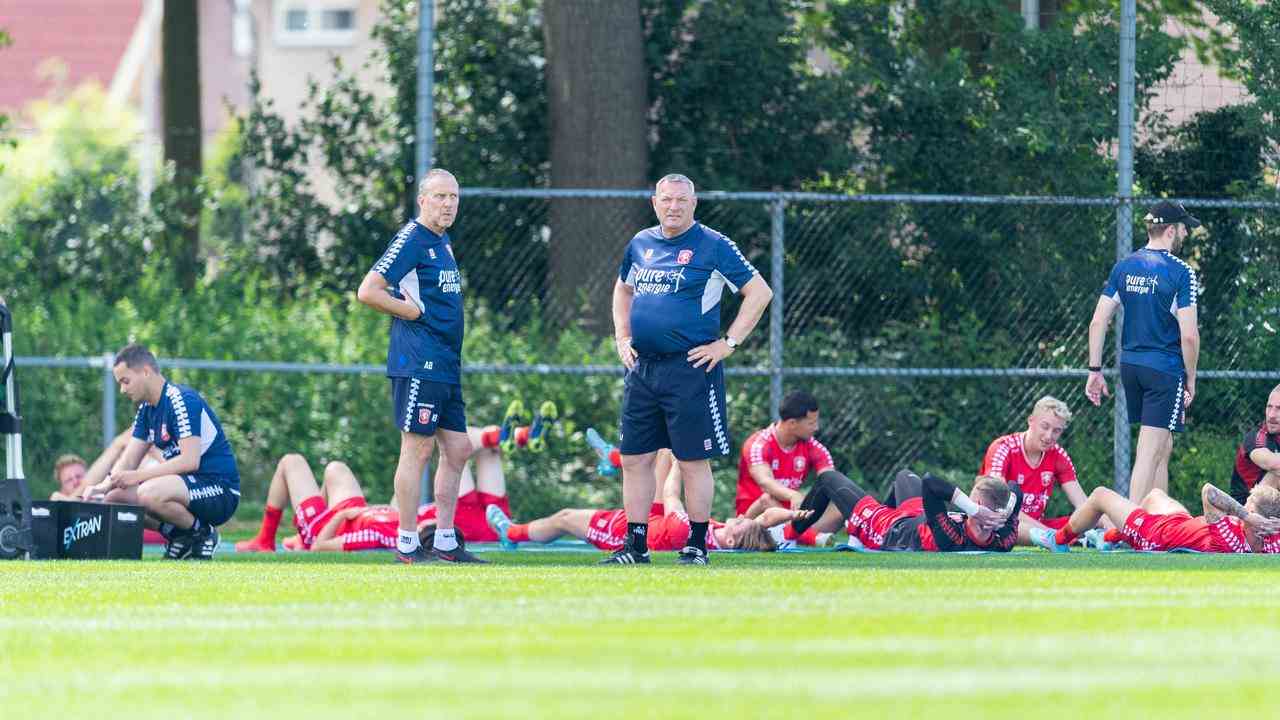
<point x="668" y="529"/>
<point x="1161" y="523"/>
<point x="917" y="519"/>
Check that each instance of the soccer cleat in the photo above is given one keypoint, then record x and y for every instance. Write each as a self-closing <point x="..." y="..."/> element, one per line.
<point x="626" y="557"/>
<point x="691" y="555"/>
<point x="255" y="545"/>
<point x="1097" y="538"/>
<point x="180" y="545"/>
<point x="459" y="555"/>
<point x="507" y="434"/>
<point x="604" y="449"/>
<point x="1044" y="537"/>
<point x="419" y="555"/>
<point x="206" y="544"/>
<point x="499" y="521"/>
<point x="542" y="422"/>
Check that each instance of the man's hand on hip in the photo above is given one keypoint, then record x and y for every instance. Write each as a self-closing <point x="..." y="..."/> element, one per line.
<point x="710" y="354"/>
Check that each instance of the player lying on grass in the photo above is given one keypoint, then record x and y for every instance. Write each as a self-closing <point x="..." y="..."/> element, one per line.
<point x="610" y="461"/>
<point x="341" y="499"/>
<point x="1161" y="523"/>
<point x="333" y="518"/>
<point x="916" y="517"/>
<point x="1038" y="464"/>
<point x="72" y="476"/>
<point x="668" y="528"/>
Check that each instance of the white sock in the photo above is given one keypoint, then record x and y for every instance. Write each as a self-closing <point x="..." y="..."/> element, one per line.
<point x="446" y="540"/>
<point x="406" y="541"/>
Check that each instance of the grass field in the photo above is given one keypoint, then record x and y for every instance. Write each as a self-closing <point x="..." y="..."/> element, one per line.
<point x="803" y="635"/>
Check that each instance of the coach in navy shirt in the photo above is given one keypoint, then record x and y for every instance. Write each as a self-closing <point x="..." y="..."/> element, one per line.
<point x="197" y="486"/>
<point x="417" y="283"/>
<point x="1160" y="343"/>
<point x="666" y="319"/>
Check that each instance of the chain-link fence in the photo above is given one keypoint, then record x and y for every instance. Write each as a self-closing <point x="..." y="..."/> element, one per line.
<point x="927" y="326"/>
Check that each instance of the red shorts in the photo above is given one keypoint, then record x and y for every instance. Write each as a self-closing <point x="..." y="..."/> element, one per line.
<point x="1057" y="523"/>
<point x="312" y="514"/>
<point x="608" y="529"/>
<point x="1145" y="531"/>
<point x="469" y="517"/>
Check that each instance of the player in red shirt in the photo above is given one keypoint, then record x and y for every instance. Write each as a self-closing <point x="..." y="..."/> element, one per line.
<point x="1161" y="523"/>
<point x="775" y="460"/>
<point x="668" y="524"/>
<point x="315" y="507"/>
<point x="1038" y="464"/>
<point x="1259" y="454"/>
<point x="920" y="521"/>
<point x="483" y="483"/>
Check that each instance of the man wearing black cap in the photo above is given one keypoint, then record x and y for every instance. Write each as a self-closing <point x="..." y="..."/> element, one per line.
<point x="1160" y="343"/>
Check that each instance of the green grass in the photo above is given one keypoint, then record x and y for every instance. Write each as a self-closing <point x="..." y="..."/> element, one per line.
<point x="551" y="635"/>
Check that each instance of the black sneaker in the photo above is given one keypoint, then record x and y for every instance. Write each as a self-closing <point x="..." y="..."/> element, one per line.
<point x="420" y="554"/>
<point x="205" y="544"/>
<point x="181" y="544"/>
<point x="691" y="555"/>
<point x="458" y="555"/>
<point x="626" y="557"/>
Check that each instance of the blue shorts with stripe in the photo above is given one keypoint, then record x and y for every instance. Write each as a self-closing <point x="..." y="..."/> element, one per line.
<point x="420" y="406"/>
<point x="1152" y="397"/>
<point x="669" y="403"/>
<point x="212" y="498"/>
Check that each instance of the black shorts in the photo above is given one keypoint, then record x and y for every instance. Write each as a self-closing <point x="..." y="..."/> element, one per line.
<point x="420" y="406"/>
<point x="1153" y="398"/>
<point x="212" y="499"/>
<point x="669" y="403"/>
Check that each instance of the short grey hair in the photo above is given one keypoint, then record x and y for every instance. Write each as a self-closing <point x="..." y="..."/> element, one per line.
<point x="675" y="178"/>
<point x="434" y="173"/>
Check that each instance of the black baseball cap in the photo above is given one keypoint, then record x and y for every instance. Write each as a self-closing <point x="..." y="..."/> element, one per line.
<point x="1167" y="213"/>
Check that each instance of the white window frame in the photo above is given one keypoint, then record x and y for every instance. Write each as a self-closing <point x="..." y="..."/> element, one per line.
<point x="314" y="36"/>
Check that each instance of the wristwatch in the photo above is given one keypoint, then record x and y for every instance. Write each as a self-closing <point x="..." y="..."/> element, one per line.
<point x="728" y="340"/>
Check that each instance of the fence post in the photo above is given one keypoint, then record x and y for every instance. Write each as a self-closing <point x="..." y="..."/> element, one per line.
<point x="777" y="254"/>
<point x="1124" y="221"/>
<point x="108" y="401"/>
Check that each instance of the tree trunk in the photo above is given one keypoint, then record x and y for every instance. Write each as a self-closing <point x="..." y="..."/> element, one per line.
<point x="598" y="97"/>
<point x="180" y="84"/>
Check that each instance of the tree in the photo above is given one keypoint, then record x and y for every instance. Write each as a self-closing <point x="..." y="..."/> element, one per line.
<point x="597" y="108"/>
<point x="180" y="81"/>
<point x="5" y="41"/>
<point x="1254" y="58"/>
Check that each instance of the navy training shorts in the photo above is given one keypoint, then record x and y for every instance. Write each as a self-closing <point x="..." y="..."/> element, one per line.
<point x="669" y="403"/>
<point x="1153" y="398"/>
<point x="420" y="406"/>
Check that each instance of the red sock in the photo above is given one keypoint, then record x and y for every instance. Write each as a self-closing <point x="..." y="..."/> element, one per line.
<point x="1065" y="536"/>
<point x="522" y="436"/>
<point x="809" y="537"/>
<point x="518" y="533"/>
<point x="489" y="436"/>
<point x="1113" y="536"/>
<point x="615" y="458"/>
<point x="270" y="523"/>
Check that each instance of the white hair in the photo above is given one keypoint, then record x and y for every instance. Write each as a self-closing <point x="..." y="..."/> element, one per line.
<point x="432" y="174"/>
<point x="675" y="178"/>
